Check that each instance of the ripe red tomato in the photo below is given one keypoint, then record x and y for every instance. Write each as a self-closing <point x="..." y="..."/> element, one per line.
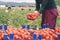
<point x="24" y="33"/>
<point x="33" y="16"/>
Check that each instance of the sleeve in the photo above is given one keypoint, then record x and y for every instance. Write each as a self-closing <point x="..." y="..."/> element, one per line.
<point x="44" y="3"/>
<point x="37" y="5"/>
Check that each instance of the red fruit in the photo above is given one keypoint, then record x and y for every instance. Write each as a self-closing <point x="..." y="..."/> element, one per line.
<point x="15" y="32"/>
<point x="47" y="38"/>
<point x="56" y="29"/>
<point x="33" y="16"/>
<point x="52" y="30"/>
<point x="43" y="39"/>
<point x="0" y="37"/>
<point x="31" y="30"/>
<point x="7" y="31"/>
<point x="51" y="37"/>
<point x="18" y="33"/>
<point x="16" y="36"/>
<point x="26" y="36"/>
<point x="54" y="35"/>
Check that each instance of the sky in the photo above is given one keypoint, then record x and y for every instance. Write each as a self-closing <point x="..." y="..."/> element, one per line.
<point x="29" y="1"/>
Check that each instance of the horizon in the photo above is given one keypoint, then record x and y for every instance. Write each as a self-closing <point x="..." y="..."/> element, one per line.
<point x="19" y="1"/>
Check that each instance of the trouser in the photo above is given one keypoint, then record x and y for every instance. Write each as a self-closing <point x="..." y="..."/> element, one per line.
<point x="49" y="17"/>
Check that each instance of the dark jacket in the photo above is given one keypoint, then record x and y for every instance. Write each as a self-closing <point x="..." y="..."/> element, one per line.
<point x="45" y="4"/>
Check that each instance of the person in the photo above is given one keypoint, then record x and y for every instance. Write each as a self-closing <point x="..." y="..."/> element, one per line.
<point x="49" y="12"/>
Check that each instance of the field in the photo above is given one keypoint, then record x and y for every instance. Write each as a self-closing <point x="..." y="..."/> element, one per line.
<point x="16" y="17"/>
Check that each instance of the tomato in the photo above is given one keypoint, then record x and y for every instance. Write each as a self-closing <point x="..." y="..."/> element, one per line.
<point x="43" y="39"/>
<point x="47" y="38"/>
<point x="54" y="35"/>
<point x="20" y="33"/>
<point x="33" y="16"/>
<point x="15" y="32"/>
<point x="16" y="36"/>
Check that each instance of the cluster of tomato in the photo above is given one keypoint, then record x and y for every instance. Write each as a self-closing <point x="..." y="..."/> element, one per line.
<point x="47" y="34"/>
<point x="20" y="33"/>
<point x="33" y="16"/>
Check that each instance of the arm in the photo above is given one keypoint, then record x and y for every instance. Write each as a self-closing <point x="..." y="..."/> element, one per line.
<point x="44" y="3"/>
<point x="37" y="5"/>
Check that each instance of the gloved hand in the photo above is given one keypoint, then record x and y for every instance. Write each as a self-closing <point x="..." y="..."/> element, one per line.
<point x="33" y="16"/>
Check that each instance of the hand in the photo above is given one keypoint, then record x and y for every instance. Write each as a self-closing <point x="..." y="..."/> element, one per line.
<point x="36" y="13"/>
<point x="33" y="16"/>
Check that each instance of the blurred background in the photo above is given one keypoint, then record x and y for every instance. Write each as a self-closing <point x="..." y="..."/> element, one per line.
<point x="13" y="13"/>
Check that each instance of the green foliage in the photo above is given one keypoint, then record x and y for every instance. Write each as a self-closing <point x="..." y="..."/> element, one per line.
<point x="17" y="17"/>
<point x="58" y="2"/>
